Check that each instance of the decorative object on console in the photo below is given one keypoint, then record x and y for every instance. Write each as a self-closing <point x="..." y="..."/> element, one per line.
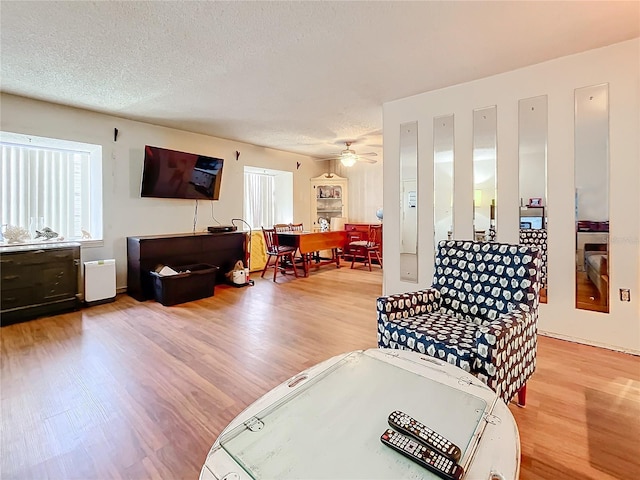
<point x="16" y="234"/>
<point x="379" y="213"/>
<point x="483" y="323"/>
<point x="46" y="233"/>
<point x="35" y="224"/>
<point x="535" y="202"/>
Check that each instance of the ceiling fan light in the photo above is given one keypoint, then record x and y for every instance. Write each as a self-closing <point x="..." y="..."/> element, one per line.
<point x="348" y="160"/>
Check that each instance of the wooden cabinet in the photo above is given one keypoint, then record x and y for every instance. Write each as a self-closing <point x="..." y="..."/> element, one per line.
<point x="360" y="231"/>
<point x="38" y="280"/>
<point x="329" y="198"/>
<point x="144" y="253"/>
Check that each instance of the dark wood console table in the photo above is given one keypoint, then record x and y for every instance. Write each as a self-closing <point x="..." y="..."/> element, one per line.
<point x="38" y="279"/>
<point x="144" y="253"/>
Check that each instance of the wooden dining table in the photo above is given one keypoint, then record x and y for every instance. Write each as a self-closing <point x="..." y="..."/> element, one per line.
<point x="308" y="243"/>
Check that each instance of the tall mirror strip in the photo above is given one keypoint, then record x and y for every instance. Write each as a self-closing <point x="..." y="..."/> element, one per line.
<point x="532" y="162"/>
<point x="443" y="157"/>
<point x="409" y="202"/>
<point x="592" y="197"/>
<point x="484" y="174"/>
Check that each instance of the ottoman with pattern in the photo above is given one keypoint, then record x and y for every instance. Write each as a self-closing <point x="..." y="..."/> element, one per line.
<point x="480" y="314"/>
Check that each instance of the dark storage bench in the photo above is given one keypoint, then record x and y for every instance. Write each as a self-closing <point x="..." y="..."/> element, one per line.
<point x="144" y="253"/>
<point x="199" y="282"/>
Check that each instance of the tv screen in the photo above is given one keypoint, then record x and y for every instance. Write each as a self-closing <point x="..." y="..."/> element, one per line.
<point x="531" y="222"/>
<point x="172" y="174"/>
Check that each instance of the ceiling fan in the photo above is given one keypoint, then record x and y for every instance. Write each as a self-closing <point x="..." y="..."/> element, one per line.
<point x="349" y="157"/>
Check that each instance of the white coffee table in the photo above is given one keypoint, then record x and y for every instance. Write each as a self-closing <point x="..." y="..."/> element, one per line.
<point x="326" y="422"/>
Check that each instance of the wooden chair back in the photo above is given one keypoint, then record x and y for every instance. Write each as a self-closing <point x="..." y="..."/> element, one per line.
<point x="375" y="235"/>
<point x="282" y="227"/>
<point x="296" y="227"/>
<point x="271" y="240"/>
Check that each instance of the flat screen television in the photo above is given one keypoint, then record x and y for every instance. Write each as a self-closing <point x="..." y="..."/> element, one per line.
<point x="531" y="222"/>
<point x="171" y="174"/>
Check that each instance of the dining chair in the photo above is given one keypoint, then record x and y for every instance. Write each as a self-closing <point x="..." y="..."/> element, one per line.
<point x="296" y="227"/>
<point x="364" y="249"/>
<point x="282" y="227"/>
<point x="283" y="255"/>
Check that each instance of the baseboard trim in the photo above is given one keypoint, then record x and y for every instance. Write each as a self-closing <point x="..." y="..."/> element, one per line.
<point x="582" y="341"/>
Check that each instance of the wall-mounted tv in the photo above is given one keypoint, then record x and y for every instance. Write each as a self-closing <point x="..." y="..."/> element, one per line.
<point x="531" y="222"/>
<point x="171" y="174"/>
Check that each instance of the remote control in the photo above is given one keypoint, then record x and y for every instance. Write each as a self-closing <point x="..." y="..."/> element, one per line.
<point x="410" y="426"/>
<point x="430" y="459"/>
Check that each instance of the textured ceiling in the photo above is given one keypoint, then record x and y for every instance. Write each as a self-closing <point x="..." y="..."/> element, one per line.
<point x="296" y="76"/>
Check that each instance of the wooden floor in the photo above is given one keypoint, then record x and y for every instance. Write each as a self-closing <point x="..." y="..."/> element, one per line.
<point x="137" y="390"/>
<point x="587" y="295"/>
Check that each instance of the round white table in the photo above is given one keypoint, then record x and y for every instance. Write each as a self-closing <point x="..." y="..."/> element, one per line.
<point x="326" y="422"/>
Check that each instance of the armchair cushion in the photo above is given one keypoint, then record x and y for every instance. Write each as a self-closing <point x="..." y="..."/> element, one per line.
<point x="435" y="334"/>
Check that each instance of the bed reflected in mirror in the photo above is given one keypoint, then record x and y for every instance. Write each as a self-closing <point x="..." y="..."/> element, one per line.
<point x="592" y="197"/>
<point x="532" y="156"/>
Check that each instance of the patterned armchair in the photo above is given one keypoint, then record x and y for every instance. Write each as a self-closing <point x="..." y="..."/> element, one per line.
<point x="480" y="314"/>
<point x="537" y="238"/>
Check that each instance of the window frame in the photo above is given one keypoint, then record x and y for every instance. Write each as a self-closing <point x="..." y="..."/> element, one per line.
<point x="96" y="227"/>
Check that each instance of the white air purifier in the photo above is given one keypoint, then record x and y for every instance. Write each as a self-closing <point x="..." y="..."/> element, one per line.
<point x="99" y="281"/>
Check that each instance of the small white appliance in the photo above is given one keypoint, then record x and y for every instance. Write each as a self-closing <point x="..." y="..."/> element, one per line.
<point x="239" y="277"/>
<point x="99" y="281"/>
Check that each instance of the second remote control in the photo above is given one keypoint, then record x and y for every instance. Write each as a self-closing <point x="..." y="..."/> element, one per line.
<point x="410" y="426"/>
<point x="430" y="459"/>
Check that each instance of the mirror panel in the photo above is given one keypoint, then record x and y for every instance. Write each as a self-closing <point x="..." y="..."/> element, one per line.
<point x="592" y="197"/>
<point x="443" y="178"/>
<point x="484" y="173"/>
<point x="409" y="202"/>
<point x="532" y="155"/>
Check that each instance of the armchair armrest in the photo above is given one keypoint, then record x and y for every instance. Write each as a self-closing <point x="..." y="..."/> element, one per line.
<point x="405" y="305"/>
<point x="506" y="350"/>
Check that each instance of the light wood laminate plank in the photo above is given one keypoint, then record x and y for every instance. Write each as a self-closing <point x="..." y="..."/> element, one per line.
<point x="133" y="390"/>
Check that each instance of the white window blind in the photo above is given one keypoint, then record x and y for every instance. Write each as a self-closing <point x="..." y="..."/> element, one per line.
<point x="50" y="187"/>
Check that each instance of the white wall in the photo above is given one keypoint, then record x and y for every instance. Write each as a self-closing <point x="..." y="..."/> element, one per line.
<point x="125" y="213"/>
<point x="616" y="65"/>
<point x="365" y="190"/>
